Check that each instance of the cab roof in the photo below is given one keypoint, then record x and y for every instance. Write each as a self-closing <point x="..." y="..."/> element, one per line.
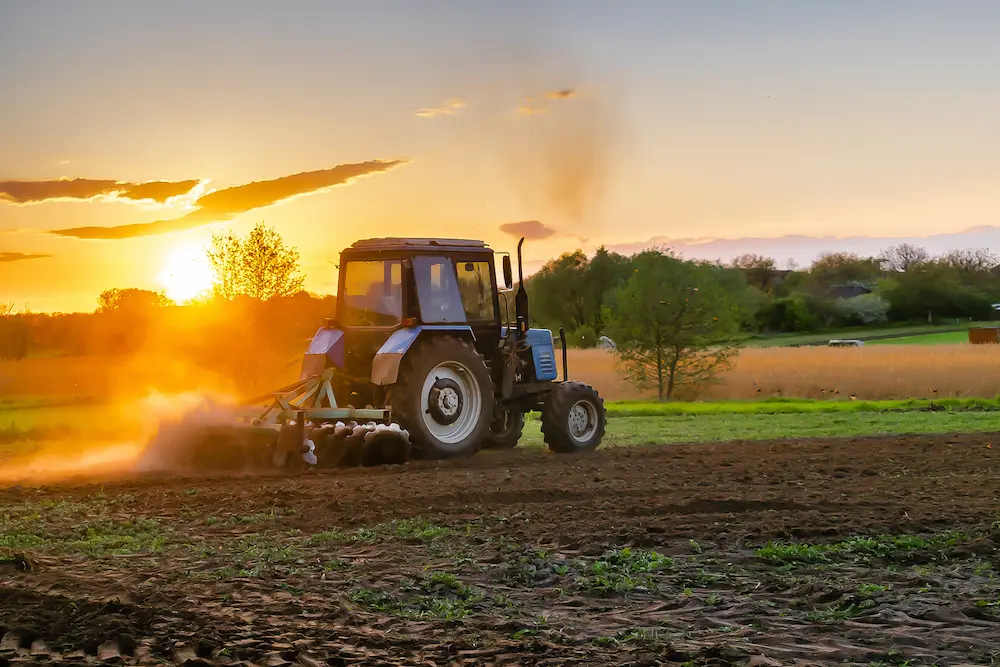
<point x="414" y="244"/>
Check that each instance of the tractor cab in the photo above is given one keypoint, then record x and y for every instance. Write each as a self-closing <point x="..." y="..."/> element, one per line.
<point x="387" y="284"/>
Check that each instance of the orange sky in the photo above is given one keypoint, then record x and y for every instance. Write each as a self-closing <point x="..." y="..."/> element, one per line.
<point x="668" y="121"/>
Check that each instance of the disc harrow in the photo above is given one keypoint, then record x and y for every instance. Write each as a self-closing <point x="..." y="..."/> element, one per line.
<point x="299" y="425"/>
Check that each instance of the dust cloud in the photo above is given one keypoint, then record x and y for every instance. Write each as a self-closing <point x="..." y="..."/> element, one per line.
<point x="147" y="429"/>
<point x="558" y="152"/>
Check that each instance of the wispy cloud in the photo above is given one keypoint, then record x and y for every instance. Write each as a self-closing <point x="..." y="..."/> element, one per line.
<point x="449" y="108"/>
<point x="19" y="256"/>
<point x="222" y="205"/>
<point x="529" y="229"/>
<point x="529" y="108"/>
<point x="31" y="192"/>
<point x="563" y="94"/>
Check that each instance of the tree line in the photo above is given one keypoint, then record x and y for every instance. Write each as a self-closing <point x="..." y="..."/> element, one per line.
<point x="677" y="323"/>
<point x="902" y="284"/>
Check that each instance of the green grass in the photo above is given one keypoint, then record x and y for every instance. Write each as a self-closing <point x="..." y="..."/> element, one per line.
<point x="796" y="405"/>
<point x="949" y="338"/>
<point x="721" y="427"/>
<point x="863" y="549"/>
<point x="863" y="333"/>
<point x="637" y="423"/>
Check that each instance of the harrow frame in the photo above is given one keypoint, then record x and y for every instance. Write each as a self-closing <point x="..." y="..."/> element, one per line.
<point x="310" y="398"/>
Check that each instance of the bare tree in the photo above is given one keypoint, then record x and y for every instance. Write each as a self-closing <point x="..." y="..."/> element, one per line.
<point x="759" y="271"/>
<point x="260" y="267"/>
<point x="900" y="258"/>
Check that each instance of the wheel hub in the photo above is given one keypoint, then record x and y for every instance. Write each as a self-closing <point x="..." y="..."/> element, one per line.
<point x="582" y="421"/>
<point x="444" y="402"/>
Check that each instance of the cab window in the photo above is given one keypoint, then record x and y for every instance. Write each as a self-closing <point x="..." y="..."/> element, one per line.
<point x="475" y="285"/>
<point x="373" y="294"/>
<point x="437" y="290"/>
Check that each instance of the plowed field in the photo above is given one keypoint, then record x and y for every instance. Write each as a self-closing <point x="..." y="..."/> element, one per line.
<point x="863" y="551"/>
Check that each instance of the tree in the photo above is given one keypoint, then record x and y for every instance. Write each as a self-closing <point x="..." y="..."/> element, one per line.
<point x="260" y="267"/>
<point x="863" y="309"/>
<point x="559" y="291"/>
<point x="759" y="271"/>
<point x="932" y="291"/>
<point x="673" y="323"/>
<point x="132" y="300"/>
<point x="901" y="258"/>
<point x="840" y="268"/>
<point x="975" y="260"/>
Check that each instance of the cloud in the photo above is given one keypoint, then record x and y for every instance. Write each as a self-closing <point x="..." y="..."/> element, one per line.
<point x="529" y="229"/>
<point x="447" y="109"/>
<point x="530" y="109"/>
<point x="18" y="256"/>
<point x="222" y="205"/>
<point x="564" y="94"/>
<point x="31" y="192"/>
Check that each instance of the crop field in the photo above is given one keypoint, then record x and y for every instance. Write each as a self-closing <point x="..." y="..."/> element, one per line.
<point x="863" y="551"/>
<point x="873" y="372"/>
<point x="866" y="373"/>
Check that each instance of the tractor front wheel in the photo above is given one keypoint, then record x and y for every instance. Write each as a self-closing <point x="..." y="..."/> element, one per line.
<point x="505" y="431"/>
<point x="443" y="396"/>
<point x="573" y="418"/>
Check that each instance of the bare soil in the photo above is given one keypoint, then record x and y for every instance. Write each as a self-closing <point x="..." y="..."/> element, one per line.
<point x="633" y="556"/>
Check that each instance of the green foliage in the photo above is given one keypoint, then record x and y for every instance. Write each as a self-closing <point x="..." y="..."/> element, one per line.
<point x="582" y="337"/>
<point x="674" y="323"/>
<point x="789" y="313"/>
<point x="863" y="549"/>
<point x="571" y="291"/>
<point x="440" y="596"/>
<point x="623" y="570"/>
<point x="864" y="309"/>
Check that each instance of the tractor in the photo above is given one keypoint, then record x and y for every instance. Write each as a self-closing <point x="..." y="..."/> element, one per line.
<point x="424" y="340"/>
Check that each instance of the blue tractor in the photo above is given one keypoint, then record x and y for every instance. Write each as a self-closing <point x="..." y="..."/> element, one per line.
<point x="423" y="360"/>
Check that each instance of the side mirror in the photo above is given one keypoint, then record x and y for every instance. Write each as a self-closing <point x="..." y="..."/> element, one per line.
<point x="508" y="272"/>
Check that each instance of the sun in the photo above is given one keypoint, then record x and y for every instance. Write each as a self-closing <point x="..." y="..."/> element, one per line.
<point x="186" y="274"/>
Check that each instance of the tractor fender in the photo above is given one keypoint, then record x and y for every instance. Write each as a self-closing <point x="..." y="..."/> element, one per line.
<point x="385" y="365"/>
<point x="325" y="350"/>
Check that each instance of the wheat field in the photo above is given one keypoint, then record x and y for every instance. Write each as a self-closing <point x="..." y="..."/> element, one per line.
<point x="876" y="372"/>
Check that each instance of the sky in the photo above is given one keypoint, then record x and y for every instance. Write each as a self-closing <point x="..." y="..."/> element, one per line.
<point x="131" y="132"/>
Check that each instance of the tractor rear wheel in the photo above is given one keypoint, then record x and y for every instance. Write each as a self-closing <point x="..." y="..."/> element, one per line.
<point x="443" y="396"/>
<point x="505" y="431"/>
<point x="573" y="418"/>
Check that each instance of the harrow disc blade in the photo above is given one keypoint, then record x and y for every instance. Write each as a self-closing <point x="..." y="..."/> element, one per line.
<point x="386" y="445"/>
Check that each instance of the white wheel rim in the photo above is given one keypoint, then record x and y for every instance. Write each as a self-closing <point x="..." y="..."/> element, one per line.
<point x="582" y="421"/>
<point x="471" y="399"/>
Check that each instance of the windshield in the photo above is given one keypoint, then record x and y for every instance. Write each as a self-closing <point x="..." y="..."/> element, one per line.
<point x="372" y="294"/>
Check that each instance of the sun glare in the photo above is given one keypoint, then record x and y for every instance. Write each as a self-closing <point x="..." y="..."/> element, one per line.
<point x="186" y="274"/>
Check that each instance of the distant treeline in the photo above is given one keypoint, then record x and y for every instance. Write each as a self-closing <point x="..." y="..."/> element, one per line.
<point x="230" y="337"/>
<point x="902" y="284"/>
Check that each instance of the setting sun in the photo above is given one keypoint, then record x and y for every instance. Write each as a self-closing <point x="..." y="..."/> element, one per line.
<point x="186" y="274"/>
